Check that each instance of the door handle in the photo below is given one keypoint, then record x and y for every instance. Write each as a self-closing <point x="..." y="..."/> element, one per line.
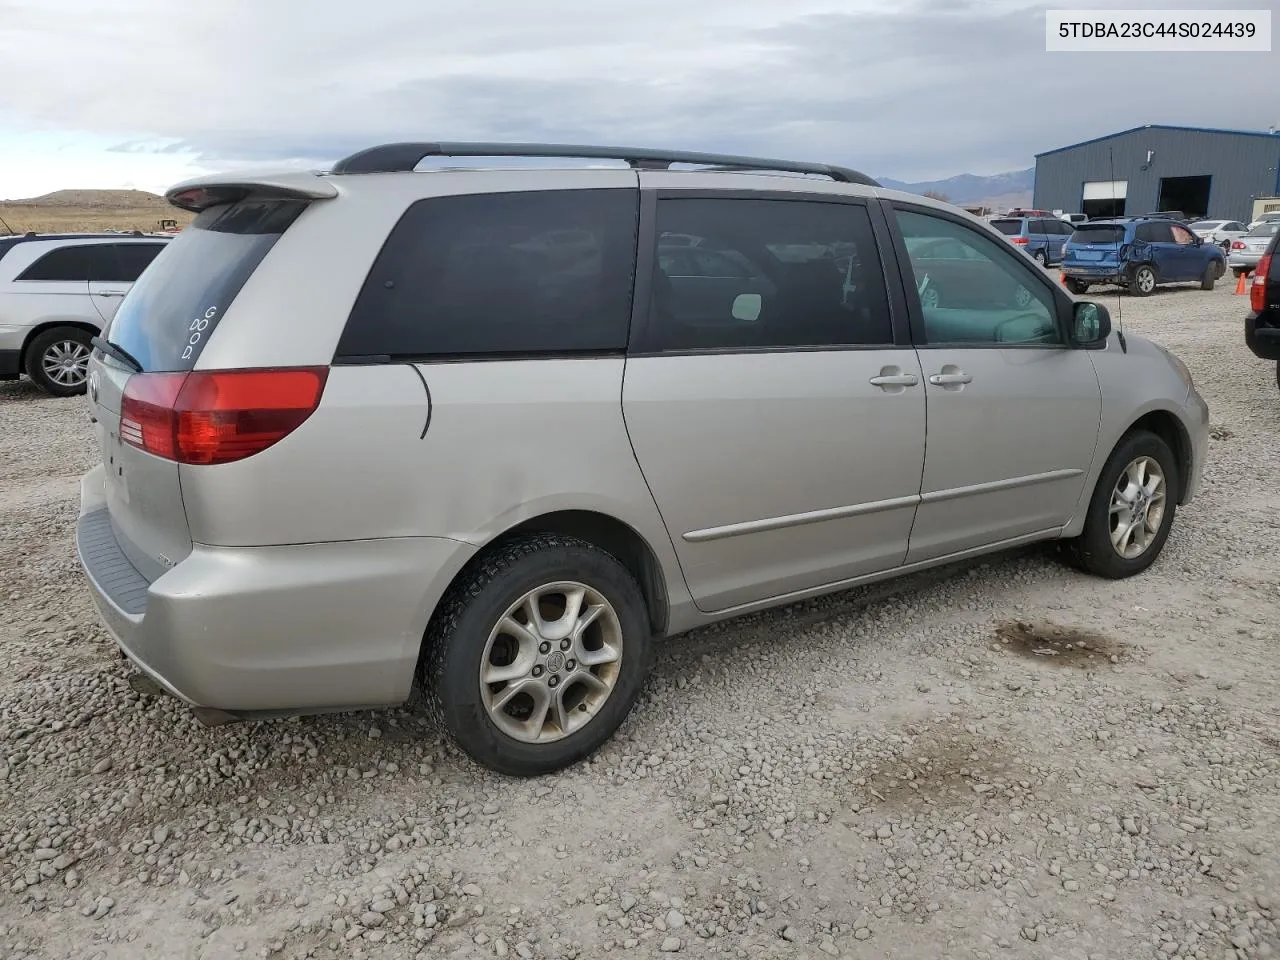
<point x="109" y="293"/>
<point x="894" y="380"/>
<point x="946" y="379"/>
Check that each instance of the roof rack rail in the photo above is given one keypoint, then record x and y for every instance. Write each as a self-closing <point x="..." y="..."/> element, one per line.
<point x="404" y="157"/>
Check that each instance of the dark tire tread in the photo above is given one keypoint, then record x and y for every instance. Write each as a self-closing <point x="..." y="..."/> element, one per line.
<point x="444" y="641"/>
<point x="35" y="351"/>
<point x="1091" y="551"/>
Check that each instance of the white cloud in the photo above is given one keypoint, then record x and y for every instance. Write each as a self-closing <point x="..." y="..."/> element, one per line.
<point x="905" y="89"/>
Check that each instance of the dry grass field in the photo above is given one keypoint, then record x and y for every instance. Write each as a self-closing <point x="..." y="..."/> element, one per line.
<point x="72" y="211"/>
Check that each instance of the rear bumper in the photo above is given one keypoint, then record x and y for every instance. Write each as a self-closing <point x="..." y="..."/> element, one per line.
<point x="1243" y="259"/>
<point x="1097" y="273"/>
<point x="271" y="629"/>
<point x="10" y="363"/>
<point x="1263" y="339"/>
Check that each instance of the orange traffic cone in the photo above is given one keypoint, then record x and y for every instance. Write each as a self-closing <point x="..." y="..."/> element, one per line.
<point x="1240" y="284"/>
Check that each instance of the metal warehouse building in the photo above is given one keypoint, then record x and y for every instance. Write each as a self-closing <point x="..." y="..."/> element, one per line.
<point x="1202" y="172"/>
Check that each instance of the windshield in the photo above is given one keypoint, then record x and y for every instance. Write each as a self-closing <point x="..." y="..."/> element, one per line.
<point x="1008" y="227"/>
<point x="173" y="308"/>
<point x="1267" y="229"/>
<point x="1098" y="234"/>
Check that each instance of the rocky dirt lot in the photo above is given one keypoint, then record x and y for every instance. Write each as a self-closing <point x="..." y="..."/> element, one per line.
<point x="1010" y="761"/>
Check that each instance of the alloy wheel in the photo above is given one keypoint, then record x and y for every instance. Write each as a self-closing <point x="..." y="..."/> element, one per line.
<point x="66" y="363"/>
<point x="1137" y="507"/>
<point x="551" y="662"/>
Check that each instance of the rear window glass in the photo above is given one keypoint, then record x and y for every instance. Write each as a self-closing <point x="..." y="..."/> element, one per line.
<point x="1267" y="229"/>
<point x="1008" y="227"/>
<point x="505" y="274"/>
<point x="172" y="310"/>
<point x="1110" y="234"/>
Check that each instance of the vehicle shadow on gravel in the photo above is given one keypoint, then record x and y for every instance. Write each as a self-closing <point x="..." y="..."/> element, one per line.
<point x="24" y="391"/>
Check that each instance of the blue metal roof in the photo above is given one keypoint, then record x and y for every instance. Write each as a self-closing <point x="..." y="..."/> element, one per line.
<point x="1164" y="126"/>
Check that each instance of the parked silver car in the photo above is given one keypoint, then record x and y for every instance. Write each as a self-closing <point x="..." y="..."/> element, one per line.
<point x="56" y="292"/>
<point x="464" y="428"/>
<point x="1248" y="249"/>
<point x="1221" y="232"/>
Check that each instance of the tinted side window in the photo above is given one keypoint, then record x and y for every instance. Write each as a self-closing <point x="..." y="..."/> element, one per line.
<point x="540" y="272"/>
<point x="131" y="259"/>
<point x="1145" y="233"/>
<point x="768" y="274"/>
<point x="66" y="264"/>
<point x="987" y="296"/>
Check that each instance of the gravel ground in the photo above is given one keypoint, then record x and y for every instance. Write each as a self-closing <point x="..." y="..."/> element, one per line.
<point x="893" y="772"/>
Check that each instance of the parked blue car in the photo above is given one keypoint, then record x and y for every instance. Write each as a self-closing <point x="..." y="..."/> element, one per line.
<point x="1041" y="237"/>
<point x="1139" y="253"/>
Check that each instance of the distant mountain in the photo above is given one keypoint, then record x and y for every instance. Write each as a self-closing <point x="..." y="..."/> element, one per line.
<point x="972" y="189"/>
<point x="96" y="199"/>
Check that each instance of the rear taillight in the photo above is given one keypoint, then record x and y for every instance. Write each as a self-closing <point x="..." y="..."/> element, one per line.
<point x="1258" y="289"/>
<point x="217" y="416"/>
<point x="1020" y="241"/>
<point x="1237" y="245"/>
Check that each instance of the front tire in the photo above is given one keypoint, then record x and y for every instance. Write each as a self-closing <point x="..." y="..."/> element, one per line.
<point x="537" y="655"/>
<point x="1131" y="511"/>
<point x="1143" y="281"/>
<point x="57" y="360"/>
<point x="1210" y="277"/>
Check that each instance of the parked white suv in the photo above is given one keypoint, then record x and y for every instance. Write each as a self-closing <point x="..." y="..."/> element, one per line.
<point x="57" y="291"/>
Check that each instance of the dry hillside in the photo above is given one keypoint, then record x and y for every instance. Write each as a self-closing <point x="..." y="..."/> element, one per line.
<point x="66" y="211"/>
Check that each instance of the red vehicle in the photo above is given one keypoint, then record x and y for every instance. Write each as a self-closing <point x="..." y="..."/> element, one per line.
<point x="1262" y="326"/>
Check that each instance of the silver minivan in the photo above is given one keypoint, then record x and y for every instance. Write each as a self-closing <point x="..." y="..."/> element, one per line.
<point x="493" y="431"/>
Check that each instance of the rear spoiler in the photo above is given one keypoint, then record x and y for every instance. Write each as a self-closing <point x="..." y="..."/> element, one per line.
<point x="204" y="192"/>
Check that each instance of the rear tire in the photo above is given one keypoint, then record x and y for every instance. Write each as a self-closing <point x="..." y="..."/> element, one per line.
<point x="1142" y="283"/>
<point x="1042" y="258"/>
<point x="1095" y="551"/>
<point x="466" y="641"/>
<point x="1077" y="287"/>
<point x="57" y="360"/>
<point x="1239" y="271"/>
<point x="1210" y="277"/>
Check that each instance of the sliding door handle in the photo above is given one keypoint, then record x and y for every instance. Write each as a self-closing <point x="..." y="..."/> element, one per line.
<point x="895" y="380"/>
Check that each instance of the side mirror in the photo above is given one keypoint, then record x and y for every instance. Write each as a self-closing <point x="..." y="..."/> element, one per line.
<point x="1090" y="325"/>
<point x="746" y="307"/>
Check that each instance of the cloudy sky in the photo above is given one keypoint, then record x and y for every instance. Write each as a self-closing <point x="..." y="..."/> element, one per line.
<point x="111" y="93"/>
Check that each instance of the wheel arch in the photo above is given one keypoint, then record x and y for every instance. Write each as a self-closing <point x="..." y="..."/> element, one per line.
<point x="1136" y="265"/>
<point x="43" y="325"/>
<point x="610" y="534"/>
<point x="1169" y="428"/>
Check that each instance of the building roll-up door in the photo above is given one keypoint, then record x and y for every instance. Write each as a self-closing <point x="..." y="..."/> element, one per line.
<point x="1106" y="190"/>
